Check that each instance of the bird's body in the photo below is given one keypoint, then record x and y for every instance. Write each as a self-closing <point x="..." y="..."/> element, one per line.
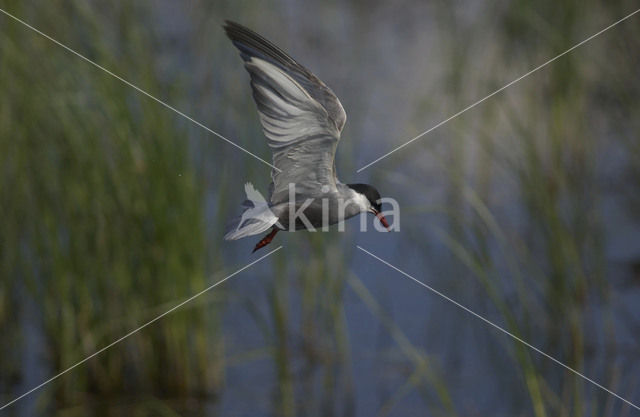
<point x="302" y="120"/>
<point x="323" y="209"/>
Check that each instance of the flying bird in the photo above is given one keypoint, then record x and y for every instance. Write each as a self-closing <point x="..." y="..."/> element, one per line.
<point x="302" y="120"/>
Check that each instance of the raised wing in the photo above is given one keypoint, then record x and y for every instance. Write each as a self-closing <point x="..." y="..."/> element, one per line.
<point x="301" y="117"/>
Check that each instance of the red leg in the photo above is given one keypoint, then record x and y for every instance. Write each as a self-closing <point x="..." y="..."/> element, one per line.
<point x="267" y="239"/>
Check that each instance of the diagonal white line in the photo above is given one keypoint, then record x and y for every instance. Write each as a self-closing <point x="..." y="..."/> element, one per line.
<point x="139" y="328"/>
<point x="457" y="304"/>
<point x="137" y="88"/>
<point x="498" y="90"/>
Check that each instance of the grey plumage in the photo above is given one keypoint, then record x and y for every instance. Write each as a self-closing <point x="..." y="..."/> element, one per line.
<point x="301" y="117"/>
<point x="302" y="120"/>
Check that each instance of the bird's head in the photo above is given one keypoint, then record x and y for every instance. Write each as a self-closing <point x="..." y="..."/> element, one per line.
<point x="372" y="197"/>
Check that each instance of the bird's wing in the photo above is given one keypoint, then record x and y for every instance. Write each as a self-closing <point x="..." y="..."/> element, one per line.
<point x="301" y="117"/>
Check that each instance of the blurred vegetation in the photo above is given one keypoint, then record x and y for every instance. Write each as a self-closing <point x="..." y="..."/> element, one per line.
<point x="111" y="208"/>
<point x="545" y="272"/>
<point x="102" y="215"/>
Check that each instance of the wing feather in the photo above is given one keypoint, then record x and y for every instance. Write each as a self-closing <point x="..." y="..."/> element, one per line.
<point x="300" y="116"/>
<point x="252" y="44"/>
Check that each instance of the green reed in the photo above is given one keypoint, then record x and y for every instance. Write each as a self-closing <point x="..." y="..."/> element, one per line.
<point x="102" y="213"/>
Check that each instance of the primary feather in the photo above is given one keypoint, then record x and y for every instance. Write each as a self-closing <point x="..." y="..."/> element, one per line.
<point x="301" y="117"/>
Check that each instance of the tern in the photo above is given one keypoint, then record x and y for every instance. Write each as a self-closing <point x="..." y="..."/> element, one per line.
<point x="302" y="120"/>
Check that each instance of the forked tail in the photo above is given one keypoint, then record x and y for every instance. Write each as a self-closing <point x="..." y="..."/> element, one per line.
<point x="253" y="220"/>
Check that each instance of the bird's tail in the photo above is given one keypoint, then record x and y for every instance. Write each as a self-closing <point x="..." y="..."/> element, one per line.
<point x="255" y="218"/>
